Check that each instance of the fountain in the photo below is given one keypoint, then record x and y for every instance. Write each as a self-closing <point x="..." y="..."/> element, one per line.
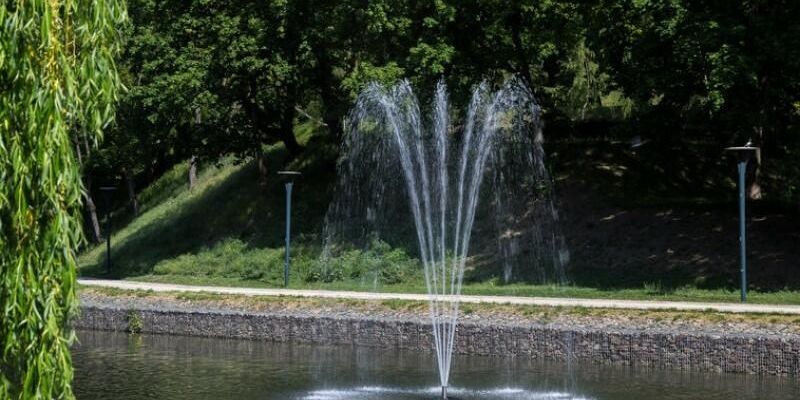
<point x="391" y="153"/>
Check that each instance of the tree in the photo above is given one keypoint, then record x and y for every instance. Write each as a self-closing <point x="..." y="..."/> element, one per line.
<point x="714" y="70"/>
<point x="213" y="77"/>
<point x="216" y="77"/>
<point x="221" y="77"/>
<point x="57" y="78"/>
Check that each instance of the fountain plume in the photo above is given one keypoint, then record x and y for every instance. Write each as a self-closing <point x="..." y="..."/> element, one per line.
<point x="391" y="152"/>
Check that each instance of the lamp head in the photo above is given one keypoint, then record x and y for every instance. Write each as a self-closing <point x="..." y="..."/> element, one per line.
<point x="289" y="176"/>
<point x="744" y="153"/>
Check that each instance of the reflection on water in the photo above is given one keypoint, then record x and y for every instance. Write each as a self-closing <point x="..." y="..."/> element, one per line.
<point x="124" y="367"/>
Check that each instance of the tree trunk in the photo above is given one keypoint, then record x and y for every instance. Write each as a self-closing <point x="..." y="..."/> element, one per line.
<point x="132" y="200"/>
<point x="193" y="161"/>
<point x="753" y="48"/>
<point x="330" y="97"/>
<point x="93" y="220"/>
<point x="91" y="209"/>
<point x="192" y="172"/>
<point x="754" y="188"/>
<point x="523" y="66"/>
<point x="287" y="133"/>
<point x="263" y="171"/>
<point x="291" y="144"/>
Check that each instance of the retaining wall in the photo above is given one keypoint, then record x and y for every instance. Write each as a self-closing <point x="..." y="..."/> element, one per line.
<point x="744" y="353"/>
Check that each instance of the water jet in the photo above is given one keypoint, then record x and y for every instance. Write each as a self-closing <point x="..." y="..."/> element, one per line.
<point x="395" y="159"/>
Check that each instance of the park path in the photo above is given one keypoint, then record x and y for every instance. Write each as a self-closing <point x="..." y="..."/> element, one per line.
<point x="516" y="300"/>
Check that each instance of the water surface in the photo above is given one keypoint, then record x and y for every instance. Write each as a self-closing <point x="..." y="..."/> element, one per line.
<point x="132" y="367"/>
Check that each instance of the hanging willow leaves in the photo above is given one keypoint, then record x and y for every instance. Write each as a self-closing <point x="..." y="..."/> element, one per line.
<point x="57" y="79"/>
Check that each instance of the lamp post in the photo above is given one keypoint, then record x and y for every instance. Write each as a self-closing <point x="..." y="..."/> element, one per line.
<point x="743" y="155"/>
<point x="289" y="177"/>
<point x="107" y="190"/>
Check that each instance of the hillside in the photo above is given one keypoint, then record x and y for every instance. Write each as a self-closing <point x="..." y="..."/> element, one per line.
<point x="681" y="236"/>
<point x="227" y="212"/>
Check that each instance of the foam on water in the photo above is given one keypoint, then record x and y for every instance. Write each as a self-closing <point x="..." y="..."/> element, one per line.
<point x="388" y="393"/>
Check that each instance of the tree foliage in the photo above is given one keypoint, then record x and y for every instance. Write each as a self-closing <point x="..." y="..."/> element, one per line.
<point x="728" y="69"/>
<point x="57" y="79"/>
<point x="212" y="77"/>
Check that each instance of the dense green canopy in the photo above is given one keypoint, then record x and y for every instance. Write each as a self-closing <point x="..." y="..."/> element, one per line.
<point x="212" y="77"/>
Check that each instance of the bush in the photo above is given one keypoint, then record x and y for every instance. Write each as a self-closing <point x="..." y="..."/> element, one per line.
<point x="391" y="266"/>
<point x="135" y="323"/>
<point x="235" y="259"/>
<point x="230" y="258"/>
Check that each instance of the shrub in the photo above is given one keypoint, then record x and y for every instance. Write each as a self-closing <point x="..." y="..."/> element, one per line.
<point x="230" y="258"/>
<point x="135" y="323"/>
<point x="390" y="265"/>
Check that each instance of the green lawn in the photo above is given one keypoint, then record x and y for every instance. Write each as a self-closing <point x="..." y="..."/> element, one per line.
<point x="229" y="231"/>
<point x="493" y="289"/>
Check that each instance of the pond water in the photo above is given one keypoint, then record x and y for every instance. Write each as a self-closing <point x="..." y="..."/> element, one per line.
<point x="132" y="367"/>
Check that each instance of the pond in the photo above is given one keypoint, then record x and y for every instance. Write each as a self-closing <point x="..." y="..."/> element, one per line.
<point x="132" y="367"/>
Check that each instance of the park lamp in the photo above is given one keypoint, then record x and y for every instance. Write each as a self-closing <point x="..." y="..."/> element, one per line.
<point x="743" y="155"/>
<point x="288" y="178"/>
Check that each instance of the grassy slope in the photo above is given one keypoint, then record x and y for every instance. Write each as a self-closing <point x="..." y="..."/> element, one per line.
<point x="228" y="221"/>
<point x="229" y="231"/>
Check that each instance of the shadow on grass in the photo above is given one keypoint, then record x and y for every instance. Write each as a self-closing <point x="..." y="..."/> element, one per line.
<point x="235" y="207"/>
<point x="633" y="220"/>
<point x="662" y="218"/>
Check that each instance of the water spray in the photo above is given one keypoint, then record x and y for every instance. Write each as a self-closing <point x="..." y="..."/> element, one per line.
<point x="441" y="177"/>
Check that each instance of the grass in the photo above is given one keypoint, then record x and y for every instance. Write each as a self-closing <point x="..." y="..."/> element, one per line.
<point x="227" y="213"/>
<point x="153" y="236"/>
<point x="493" y="289"/>
<point x="228" y="231"/>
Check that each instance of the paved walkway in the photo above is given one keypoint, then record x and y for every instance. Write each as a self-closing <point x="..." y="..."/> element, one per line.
<point x="532" y="301"/>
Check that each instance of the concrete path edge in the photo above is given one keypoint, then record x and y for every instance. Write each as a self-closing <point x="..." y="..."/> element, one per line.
<point x="514" y="300"/>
